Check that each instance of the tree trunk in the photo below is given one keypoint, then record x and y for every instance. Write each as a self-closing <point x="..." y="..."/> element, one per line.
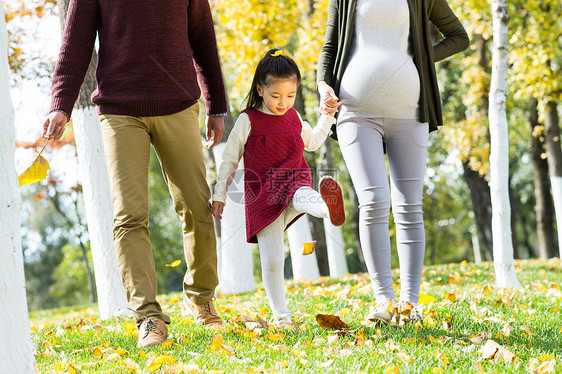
<point x="482" y="208"/>
<point x="554" y="158"/>
<point x="499" y="153"/>
<point x="544" y="207"/>
<point x="97" y="194"/>
<point x="236" y="270"/>
<point x="16" y="350"/>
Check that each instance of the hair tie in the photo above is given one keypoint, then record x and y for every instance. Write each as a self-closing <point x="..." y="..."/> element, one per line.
<point x="278" y="52"/>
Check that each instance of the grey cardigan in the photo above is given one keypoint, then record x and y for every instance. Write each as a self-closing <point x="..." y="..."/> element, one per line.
<point x="340" y="30"/>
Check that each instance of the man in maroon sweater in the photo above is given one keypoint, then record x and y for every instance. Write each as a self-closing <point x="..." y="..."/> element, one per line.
<point x="151" y="56"/>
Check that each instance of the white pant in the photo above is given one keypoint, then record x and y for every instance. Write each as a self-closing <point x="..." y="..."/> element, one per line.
<point x="361" y="141"/>
<point x="272" y="251"/>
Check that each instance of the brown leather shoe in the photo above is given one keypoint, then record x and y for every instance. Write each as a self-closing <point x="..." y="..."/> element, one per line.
<point x="204" y="314"/>
<point x="152" y="331"/>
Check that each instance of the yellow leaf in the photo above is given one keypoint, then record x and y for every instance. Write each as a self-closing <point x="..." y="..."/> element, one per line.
<point x="547" y="367"/>
<point x="97" y="352"/>
<point x="272" y="336"/>
<point x="228" y="350"/>
<point x="308" y="247"/>
<point x="526" y="330"/>
<point x="72" y="369"/>
<point x="426" y="299"/>
<point x="392" y="370"/>
<point x="436" y="370"/>
<point x="263" y="310"/>
<point x="165" y="359"/>
<point x="131" y="365"/>
<point x="216" y="342"/>
<point x="450" y="296"/>
<point x="174" y="264"/>
<point x="36" y="172"/>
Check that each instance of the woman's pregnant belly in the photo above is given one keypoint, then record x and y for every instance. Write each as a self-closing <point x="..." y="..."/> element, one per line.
<point x="380" y="84"/>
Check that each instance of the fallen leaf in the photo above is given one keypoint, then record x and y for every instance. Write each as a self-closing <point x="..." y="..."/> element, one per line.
<point x="547" y="367"/>
<point x="308" y="247"/>
<point x="426" y="299"/>
<point x="360" y="338"/>
<point x="450" y="296"/>
<point x="216" y="342"/>
<point x="329" y="321"/>
<point x="174" y="264"/>
<point x="272" y="336"/>
<point x="490" y="349"/>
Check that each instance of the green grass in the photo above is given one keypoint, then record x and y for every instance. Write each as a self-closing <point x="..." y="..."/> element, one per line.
<point x="527" y="322"/>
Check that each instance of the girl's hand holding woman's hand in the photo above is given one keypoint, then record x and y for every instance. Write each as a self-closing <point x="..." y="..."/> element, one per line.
<point x="217" y="209"/>
<point x="328" y="100"/>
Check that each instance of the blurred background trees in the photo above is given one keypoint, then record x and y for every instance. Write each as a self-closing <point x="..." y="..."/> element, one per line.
<point x="457" y="200"/>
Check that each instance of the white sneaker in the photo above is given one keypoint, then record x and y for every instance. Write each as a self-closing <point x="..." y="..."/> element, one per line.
<point x="282" y="319"/>
<point x="382" y="312"/>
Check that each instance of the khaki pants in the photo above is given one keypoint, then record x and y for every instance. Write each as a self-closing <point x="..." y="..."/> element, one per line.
<point x="177" y="142"/>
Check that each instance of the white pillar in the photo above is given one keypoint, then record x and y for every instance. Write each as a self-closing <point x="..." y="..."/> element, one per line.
<point x="304" y="267"/>
<point x="336" y="249"/>
<point x="236" y="265"/>
<point x="16" y="351"/>
<point x="112" y="300"/>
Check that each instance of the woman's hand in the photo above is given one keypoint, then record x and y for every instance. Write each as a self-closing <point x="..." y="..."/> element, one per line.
<point x="328" y="100"/>
<point x="217" y="209"/>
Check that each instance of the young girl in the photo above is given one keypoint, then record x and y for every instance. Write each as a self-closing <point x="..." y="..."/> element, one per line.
<point x="271" y="137"/>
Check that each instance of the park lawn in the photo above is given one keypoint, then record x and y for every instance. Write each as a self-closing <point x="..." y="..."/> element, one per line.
<point x="457" y="335"/>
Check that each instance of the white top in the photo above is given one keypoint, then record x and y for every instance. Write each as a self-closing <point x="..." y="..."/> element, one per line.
<point x="313" y="138"/>
<point x="380" y="79"/>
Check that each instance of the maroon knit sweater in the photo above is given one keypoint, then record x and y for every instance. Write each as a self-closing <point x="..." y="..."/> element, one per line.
<point x="151" y="55"/>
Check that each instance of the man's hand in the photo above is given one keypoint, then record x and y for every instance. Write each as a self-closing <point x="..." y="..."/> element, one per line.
<point x="218" y="207"/>
<point x="215" y="129"/>
<point x="54" y="125"/>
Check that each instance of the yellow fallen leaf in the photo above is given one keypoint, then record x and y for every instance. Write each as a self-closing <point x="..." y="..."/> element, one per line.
<point x="227" y="349"/>
<point x="35" y="172"/>
<point x="174" y="264"/>
<point x="216" y="342"/>
<point x="426" y="299"/>
<point x="392" y="370"/>
<point x="437" y="370"/>
<point x="547" y="367"/>
<point x="308" y="247"/>
<point x="272" y="336"/>
<point x="72" y="369"/>
<point x="131" y="365"/>
<point x="450" y="296"/>
<point x="526" y="330"/>
<point x="97" y="352"/>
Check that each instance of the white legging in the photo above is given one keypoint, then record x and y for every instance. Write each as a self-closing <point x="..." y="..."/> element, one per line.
<point x="361" y="142"/>
<point x="272" y="251"/>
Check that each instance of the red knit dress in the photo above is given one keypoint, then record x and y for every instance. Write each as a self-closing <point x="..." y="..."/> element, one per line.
<point x="274" y="168"/>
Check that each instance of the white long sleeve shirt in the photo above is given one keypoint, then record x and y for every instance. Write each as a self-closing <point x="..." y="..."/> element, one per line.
<point x="313" y="138"/>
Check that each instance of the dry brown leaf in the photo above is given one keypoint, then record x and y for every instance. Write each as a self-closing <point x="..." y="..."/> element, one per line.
<point x="329" y="321"/>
